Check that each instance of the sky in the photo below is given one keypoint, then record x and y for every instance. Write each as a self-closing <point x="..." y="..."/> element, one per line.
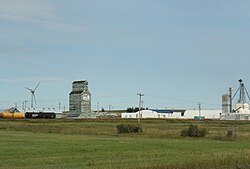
<point x="176" y="52"/>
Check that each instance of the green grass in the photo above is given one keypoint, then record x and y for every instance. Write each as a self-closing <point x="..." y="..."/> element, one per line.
<point x="95" y="144"/>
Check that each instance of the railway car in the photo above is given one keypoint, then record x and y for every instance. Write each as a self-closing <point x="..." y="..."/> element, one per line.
<point x="40" y="115"/>
<point x="8" y="115"/>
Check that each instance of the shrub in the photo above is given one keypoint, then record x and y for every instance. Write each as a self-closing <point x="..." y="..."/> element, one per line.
<point x="194" y="131"/>
<point x="231" y="133"/>
<point x="184" y="132"/>
<point x="128" y="128"/>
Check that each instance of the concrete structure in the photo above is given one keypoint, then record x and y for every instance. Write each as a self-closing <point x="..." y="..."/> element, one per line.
<point x="80" y="100"/>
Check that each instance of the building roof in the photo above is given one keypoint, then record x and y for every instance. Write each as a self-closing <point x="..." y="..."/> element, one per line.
<point x="168" y="110"/>
<point x="163" y="111"/>
<point x="11" y="110"/>
<point x="79" y="81"/>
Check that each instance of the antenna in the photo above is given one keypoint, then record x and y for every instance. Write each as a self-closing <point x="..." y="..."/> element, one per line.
<point x="33" y="97"/>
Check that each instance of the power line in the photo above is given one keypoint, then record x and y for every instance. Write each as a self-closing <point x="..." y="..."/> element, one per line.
<point x="182" y="100"/>
<point x="115" y="95"/>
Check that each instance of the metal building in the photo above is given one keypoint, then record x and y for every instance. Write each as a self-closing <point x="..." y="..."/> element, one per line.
<point x="174" y="114"/>
<point x="155" y="113"/>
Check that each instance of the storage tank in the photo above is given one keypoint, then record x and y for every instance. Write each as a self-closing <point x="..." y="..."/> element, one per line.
<point x="226" y="103"/>
<point x="7" y="115"/>
<point x="18" y="115"/>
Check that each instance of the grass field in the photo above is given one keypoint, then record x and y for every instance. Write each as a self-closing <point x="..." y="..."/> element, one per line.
<point x="96" y="144"/>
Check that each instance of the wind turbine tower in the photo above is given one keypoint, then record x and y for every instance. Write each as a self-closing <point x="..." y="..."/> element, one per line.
<point x="33" y="97"/>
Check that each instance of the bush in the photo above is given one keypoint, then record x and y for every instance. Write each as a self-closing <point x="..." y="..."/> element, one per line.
<point x="231" y="133"/>
<point x="128" y="128"/>
<point x="194" y="131"/>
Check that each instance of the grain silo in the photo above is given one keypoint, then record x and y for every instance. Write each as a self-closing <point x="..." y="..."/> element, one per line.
<point x="226" y="103"/>
<point x="80" y="100"/>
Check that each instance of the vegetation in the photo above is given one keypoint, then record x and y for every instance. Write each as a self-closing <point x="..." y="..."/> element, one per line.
<point x="128" y="128"/>
<point x="134" y="109"/>
<point x="231" y="133"/>
<point x="194" y="131"/>
<point x="96" y="144"/>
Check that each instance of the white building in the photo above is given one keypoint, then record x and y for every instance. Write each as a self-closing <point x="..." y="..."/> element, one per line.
<point x="154" y="114"/>
<point x="175" y="114"/>
<point x="205" y="114"/>
<point x="242" y="112"/>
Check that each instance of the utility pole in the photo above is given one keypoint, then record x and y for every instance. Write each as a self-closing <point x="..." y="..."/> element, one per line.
<point x="97" y="107"/>
<point x="109" y="109"/>
<point x="140" y="95"/>
<point x="230" y="99"/>
<point x="199" y="105"/>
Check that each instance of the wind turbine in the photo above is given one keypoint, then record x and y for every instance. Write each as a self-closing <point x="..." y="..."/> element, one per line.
<point x="32" y="91"/>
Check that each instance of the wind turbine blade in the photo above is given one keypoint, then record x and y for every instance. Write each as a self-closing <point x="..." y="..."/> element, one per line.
<point x="28" y="89"/>
<point x="37" y="86"/>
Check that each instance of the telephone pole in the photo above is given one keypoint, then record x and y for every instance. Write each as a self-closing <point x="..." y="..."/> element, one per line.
<point x="230" y="101"/>
<point x="139" y="114"/>
<point x="199" y="105"/>
<point x="97" y="107"/>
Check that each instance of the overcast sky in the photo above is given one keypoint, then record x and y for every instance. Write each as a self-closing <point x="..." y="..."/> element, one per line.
<point x="176" y="52"/>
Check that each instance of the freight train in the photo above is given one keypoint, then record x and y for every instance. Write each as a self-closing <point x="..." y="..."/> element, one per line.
<point x="8" y="115"/>
<point x="15" y="114"/>
<point x="40" y="115"/>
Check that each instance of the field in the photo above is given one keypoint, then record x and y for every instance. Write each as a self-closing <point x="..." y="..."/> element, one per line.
<point x="96" y="144"/>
